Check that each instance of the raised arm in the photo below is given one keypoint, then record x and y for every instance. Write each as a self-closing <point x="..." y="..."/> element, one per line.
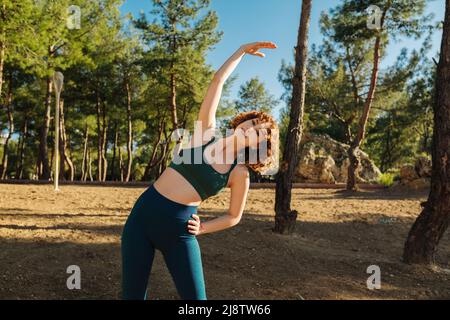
<point x="207" y="114"/>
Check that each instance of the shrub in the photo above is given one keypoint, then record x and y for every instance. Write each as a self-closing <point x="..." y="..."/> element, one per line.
<point x="386" y="179"/>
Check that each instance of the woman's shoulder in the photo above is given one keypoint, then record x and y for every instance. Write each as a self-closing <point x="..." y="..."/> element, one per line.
<point x="240" y="177"/>
<point x="240" y="171"/>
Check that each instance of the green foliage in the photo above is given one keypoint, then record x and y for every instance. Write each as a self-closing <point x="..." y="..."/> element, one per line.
<point x="339" y="73"/>
<point x="98" y="60"/>
<point x="170" y="43"/>
<point x="178" y="41"/>
<point x="403" y="129"/>
<point x="254" y="96"/>
<point x="226" y="109"/>
<point x="386" y="179"/>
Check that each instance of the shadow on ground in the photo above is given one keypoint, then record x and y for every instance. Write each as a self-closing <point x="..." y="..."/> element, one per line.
<point x="319" y="261"/>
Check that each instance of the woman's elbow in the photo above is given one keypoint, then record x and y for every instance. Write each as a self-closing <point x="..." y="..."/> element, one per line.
<point x="234" y="220"/>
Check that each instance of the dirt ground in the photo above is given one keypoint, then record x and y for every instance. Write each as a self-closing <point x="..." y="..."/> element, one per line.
<point x="337" y="237"/>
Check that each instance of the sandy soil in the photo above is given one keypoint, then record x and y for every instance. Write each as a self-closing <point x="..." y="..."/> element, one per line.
<point x="337" y="237"/>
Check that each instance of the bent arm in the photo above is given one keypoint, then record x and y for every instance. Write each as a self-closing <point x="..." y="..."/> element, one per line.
<point x="207" y="114"/>
<point x="239" y="191"/>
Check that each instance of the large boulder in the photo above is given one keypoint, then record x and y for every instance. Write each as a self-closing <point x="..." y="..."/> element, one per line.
<point x="415" y="176"/>
<point x="325" y="160"/>
<point x="408" y="173"/>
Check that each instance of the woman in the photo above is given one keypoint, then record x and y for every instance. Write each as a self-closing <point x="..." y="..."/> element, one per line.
<point x="161" y="217"/>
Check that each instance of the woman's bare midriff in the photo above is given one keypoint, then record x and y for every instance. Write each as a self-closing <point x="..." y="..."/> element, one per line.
<point x="175" y="187"/>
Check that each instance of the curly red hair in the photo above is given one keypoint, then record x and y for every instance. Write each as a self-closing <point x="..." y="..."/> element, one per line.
<point x="272" y="141"/>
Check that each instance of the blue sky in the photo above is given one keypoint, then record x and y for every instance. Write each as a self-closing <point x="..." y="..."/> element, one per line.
<point x="245" y="21"/>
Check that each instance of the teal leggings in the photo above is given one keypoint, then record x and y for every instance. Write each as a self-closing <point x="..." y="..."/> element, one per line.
<point x="156" y="222"/>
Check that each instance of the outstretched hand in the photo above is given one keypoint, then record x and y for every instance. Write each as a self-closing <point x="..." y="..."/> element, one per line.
<point x="254" y="47"/>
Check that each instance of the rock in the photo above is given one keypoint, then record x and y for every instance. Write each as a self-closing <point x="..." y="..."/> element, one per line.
<point x="415" y="176"/>
<point x="418" y="184"/>
<point x="423" y="167"/>
<point x="408" y="173"/>
<point x="326" y="175"/>
<point x="325" y="160"/>
<point x="317" y="168"/>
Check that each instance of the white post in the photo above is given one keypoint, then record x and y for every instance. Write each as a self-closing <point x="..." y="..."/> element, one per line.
<point x="58" y="80"/>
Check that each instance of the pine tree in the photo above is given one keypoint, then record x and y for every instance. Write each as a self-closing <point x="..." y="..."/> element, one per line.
<point x="254" y="96"/>
<point x="285" y="218"/>
<point x="430" y="226"/>
<point x="180" y="40"/>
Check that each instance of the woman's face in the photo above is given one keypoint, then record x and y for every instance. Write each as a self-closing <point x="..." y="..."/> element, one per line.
<point x="254" y="131"/>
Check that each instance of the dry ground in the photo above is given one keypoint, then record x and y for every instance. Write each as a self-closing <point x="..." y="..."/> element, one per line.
<point x="337" y="237"/>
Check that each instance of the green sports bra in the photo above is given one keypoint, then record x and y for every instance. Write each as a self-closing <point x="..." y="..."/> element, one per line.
<point x="202" y="176"/>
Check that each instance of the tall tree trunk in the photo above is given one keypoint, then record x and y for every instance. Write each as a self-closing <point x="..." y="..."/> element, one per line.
<point x="165" y="153"/>
<point x="104" y="145"/>
<point x="2" y="57"/>
<point x="428" y="229"/>
<point x="113" y="160"/>
<point x="61" y="147"/>
<point x="120" y="162"/>
<point x="173" y="101"/>
<point x="129" y="132"/>
<point x="44" y="174"/>
<point x="52" y="155"/>
<point x="21" y="147"/>
<point x="4" y="166"/>
<point x="152" y="162"/>
<point x="89" y="161"/>
<point x="84" y="164"/>
<point x="155" y="161"/>
<point x="353" y="151"/>
<point x="354" y="147"/>
<point x="99" y="135"/>
<point x="285" y="218"/>
<point x="2" y="48"/>
<point x="164" y="157"/>
<point x="173" y="83"/>
<point x="65" y="157"/>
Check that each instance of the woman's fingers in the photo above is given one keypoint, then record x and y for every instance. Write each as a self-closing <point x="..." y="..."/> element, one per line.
<point x="265" y="44"/>
<point x="268" y="45"/>
<point x="255" y="52"/>
<point x="259" y="54"/>
<point x="194" y="225"/>
<point x="194" y="229"/>
<point x="252" y="48"/>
